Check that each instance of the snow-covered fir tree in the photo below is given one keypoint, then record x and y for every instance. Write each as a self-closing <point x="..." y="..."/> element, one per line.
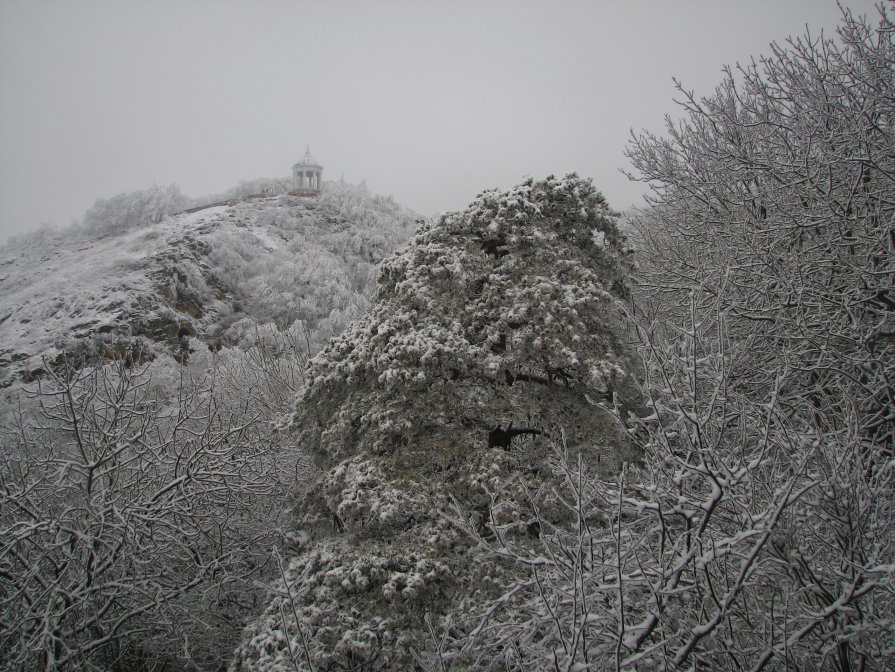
<point x="494" y="335"/>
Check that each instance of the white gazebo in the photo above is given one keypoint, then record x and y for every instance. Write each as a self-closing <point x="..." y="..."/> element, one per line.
<point x="307" y="174"/>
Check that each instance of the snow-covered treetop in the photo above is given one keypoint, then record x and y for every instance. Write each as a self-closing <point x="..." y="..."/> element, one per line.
<point x="519" y="287"/>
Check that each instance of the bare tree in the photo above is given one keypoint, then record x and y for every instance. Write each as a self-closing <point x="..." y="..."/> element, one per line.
<point x="758" y="531"/>
<point x="131" y="525"/>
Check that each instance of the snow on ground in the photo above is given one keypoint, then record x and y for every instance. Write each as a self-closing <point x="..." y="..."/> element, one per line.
<point x="266" y="259"/>
<point x="72" y="285"/>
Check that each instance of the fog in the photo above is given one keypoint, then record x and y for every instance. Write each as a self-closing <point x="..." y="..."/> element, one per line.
<point x="429" y="102"/>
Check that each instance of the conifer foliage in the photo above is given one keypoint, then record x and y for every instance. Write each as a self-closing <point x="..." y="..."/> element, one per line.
<point x="495" y="332"/>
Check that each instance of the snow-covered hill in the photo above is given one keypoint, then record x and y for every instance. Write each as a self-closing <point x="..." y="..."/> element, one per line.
<point x="196" y="278"/>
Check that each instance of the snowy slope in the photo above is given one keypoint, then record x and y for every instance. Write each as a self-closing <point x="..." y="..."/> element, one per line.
<point x="192" y="275"/>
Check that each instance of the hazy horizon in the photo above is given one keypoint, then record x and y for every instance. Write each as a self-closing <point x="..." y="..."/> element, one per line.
<point x="429" y="103"/>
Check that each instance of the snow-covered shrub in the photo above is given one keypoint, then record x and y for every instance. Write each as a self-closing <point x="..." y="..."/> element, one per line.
<point x="132" y="210"/>
<point x="268" y="186"/>
<point x="321" y="267"/>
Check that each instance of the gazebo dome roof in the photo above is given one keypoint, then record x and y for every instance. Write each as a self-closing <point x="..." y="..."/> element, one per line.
<point x="308" y="160"/>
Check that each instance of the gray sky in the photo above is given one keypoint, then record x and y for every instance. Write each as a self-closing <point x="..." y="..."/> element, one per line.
<point x="429" y="101"/>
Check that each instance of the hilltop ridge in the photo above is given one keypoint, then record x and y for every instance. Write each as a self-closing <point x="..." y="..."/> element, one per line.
<point x="205" y="275"/>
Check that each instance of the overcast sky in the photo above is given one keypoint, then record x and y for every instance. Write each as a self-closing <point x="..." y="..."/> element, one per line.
<point x="429" y="101"/>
